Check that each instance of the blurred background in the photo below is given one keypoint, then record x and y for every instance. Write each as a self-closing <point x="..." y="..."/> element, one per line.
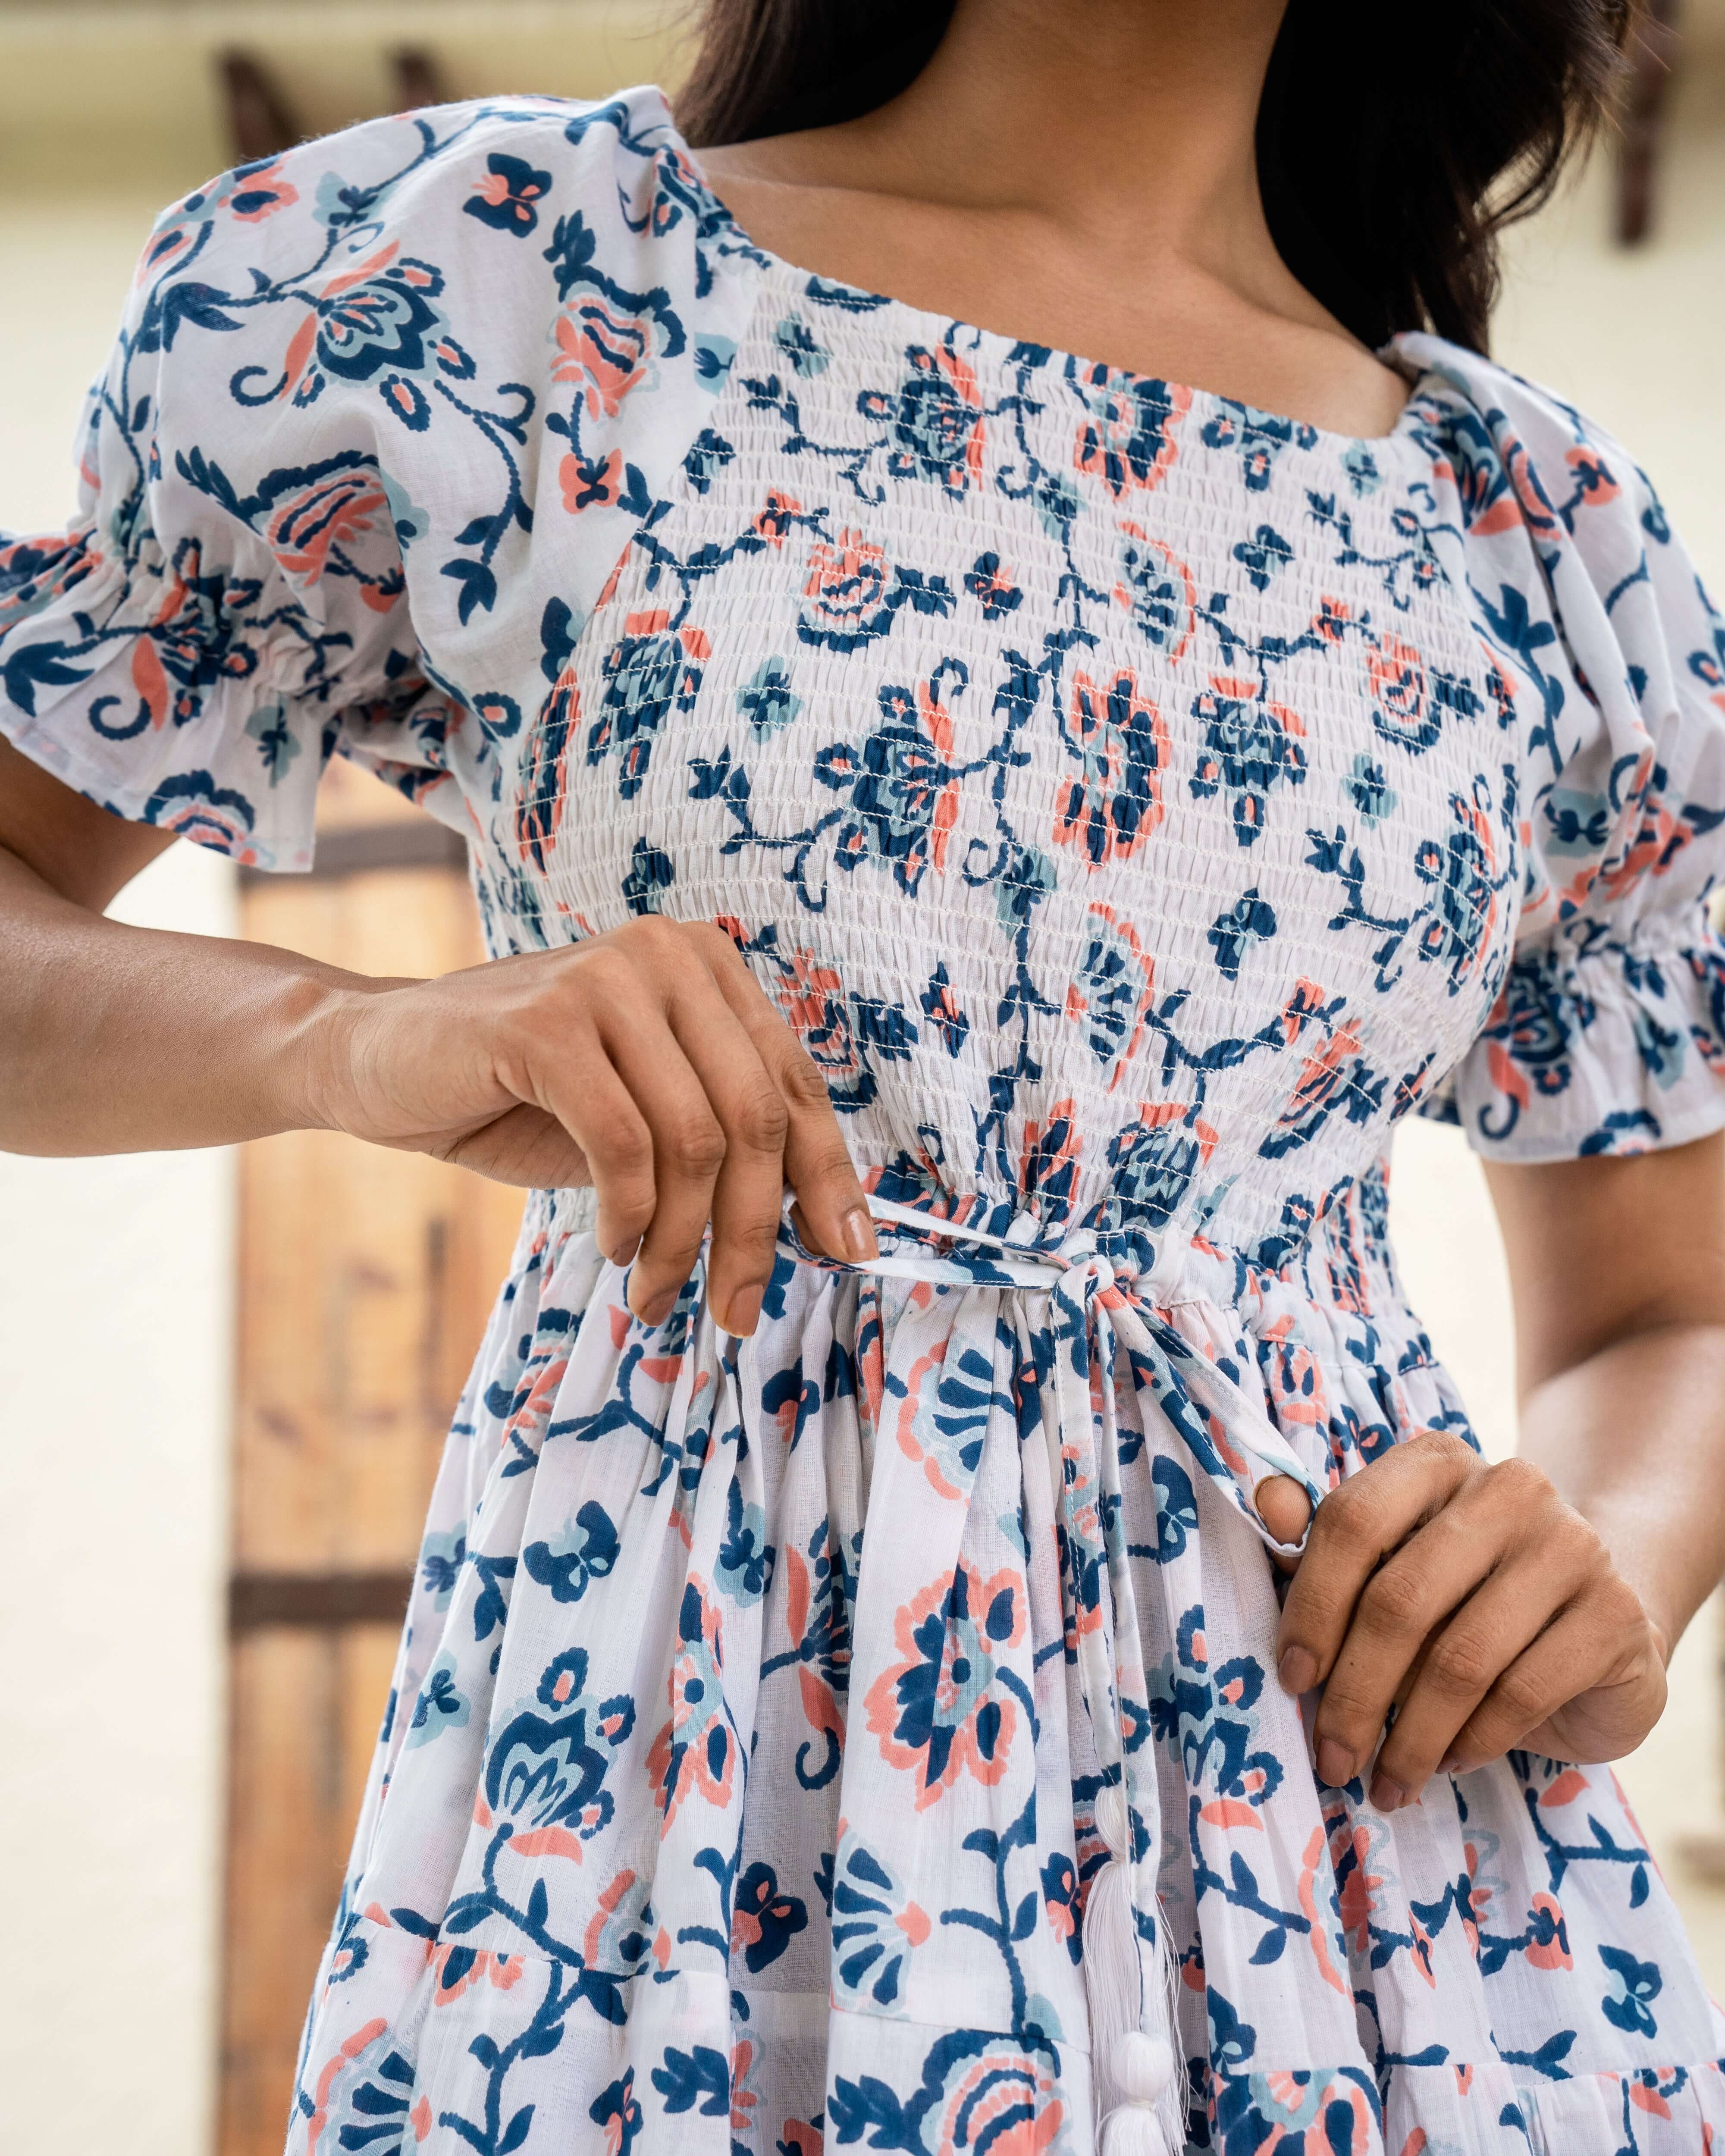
<point x="224" y="1377"/>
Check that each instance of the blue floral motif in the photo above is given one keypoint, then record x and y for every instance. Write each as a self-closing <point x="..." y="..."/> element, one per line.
<point x="617" y="2110"/>
<point x="800" y="348"/>
<point x="766" y="1919"/>
<point x="902" y="793"/>
<point x="441" y="1704"/>
<point x="936" y="419"/>
<point x="767" y="700"/>
<point x="746" y="1556"/>
<point x="648" y="676"/>
<point x="876" y="1928"/>
<point x="1638" y="1984"/>
<point x="505" y="198"/>
<point x="1128" y="438"/>
<point x="1156" y="589"/>
<point x="1260" y="438"/>
<point x="569" y="1563"/>
<point x="1370" y="790"/>
<point x="1262" y="555"/>
<point x="549" y="1769"/>
<point x="1249" y="750"/>
<point x="1464" y="880"/>
<point x="991" y="587"/>
<point x="1250" y="920"/>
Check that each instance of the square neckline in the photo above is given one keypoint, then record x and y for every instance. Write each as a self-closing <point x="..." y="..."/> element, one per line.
<point x="934" y="325"/>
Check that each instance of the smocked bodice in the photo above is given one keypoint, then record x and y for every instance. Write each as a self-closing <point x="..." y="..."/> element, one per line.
<point x="1107" y="780"/>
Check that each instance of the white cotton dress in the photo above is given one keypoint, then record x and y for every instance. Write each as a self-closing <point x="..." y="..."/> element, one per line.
<point x="1137" y="802"/>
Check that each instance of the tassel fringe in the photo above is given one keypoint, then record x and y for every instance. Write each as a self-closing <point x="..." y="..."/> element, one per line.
<point x="1137" y="2073"/>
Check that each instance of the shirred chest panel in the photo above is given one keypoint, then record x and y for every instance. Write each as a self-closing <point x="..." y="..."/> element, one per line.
<point x="1104" y="777"/>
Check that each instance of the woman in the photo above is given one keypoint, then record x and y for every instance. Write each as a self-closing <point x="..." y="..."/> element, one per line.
<point x="1049" y="822"/>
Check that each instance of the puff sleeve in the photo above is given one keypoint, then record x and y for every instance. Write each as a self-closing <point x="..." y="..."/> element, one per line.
<point x="348" y="387"/>
<point x="1609" y="1035"/>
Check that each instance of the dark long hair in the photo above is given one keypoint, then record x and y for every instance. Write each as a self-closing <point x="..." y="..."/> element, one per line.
<point x="1394" y="143"/>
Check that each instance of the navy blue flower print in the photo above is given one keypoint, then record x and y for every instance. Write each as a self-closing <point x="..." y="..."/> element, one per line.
<point x="505" y="197"/>
<point x="1249" y="920"/>
<point x="1250" y="748"/>
<point x="1260" y="438"/>
<point x="767" y="700"/>
<point x="1262" y="555"/>
<point x="936" y="418"/>
<point x="653" y="671"/>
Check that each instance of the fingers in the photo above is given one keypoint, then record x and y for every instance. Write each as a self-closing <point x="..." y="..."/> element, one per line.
<point x="1285" y="1509"/>
<point x="816" y="1162"/>
<point x="1466" y="1660"/>
<point x="749" y="1190"/>
<point x="1473" y="1602"/>
<point x="684" y="1097"/>
<point x="734" y="1107"/>
<point x="1353" y="1531"/>
<point x="688" y="1146"/>
<point x="582" y="1089"/>
<point x="1471" y="1540"/>
<point x="524" y="1146"/>
<point x="1600" y="1645"/>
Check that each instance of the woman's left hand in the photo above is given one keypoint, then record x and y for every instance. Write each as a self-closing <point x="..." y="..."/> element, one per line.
<point x="1475" y="1601"/>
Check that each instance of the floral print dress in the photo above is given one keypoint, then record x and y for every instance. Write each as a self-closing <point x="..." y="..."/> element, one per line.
<point x="1137" y="802"/>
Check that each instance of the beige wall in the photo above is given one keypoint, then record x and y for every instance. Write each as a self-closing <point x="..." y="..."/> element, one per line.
<point x="115" y="1363"/>
<point x="115" y="1301"/>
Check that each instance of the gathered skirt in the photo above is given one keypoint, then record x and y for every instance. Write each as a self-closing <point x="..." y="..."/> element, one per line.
<point x="738" y="1792"/>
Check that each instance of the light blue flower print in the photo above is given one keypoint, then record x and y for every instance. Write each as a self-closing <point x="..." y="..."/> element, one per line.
<point x="802" y="351"/>
<point x="441" y="1705"/>
<point x="767" y="700"/>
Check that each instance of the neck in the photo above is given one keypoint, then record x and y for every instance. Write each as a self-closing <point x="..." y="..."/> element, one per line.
<point x="1130" y="120"/>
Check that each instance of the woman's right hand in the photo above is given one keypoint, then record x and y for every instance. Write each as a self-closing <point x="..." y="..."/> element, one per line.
<point x="646" y="1062"/>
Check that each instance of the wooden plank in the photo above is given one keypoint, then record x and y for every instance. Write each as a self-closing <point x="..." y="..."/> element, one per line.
<point x="348" y="794"/>
<point x="1652" y="52"/>
<point x="316" y="1600"/>
<point x="261" y="122"/>
<point x="396" y="843"/>
<point x="368" y="1275"/>
<point x="304" y="1723"/>
<point x="418" y="79"/>
<point x="366" y="1278"/>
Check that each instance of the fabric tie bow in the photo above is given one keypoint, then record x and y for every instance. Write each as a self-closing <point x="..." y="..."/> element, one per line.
<point x="1137" y="2069"/>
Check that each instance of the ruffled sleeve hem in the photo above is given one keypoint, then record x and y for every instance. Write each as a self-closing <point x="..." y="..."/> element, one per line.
<point x="1614" y="1047"/>
<point x="135" y="684"/>
<point x="381" y="420"/>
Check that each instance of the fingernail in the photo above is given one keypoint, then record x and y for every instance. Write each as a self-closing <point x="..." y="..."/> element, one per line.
<point x="1387" y="1795"/>
<point x="654" y="1313"/>
<point x="1297" y="1671"/>
<point x="744" y="1313"/>
<point x="1335" y="1764"/>
<point x="858" y="1232"/>
<point x="1450" y="1764"/>
<point x="624" y="1251"/>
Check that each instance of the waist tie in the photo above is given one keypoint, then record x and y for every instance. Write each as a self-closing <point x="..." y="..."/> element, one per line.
<point x="1137" y="2068"/>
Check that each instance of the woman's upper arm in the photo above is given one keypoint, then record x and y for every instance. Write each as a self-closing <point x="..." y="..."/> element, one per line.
<point x="1602" y="1247"/>
<point x="77" y="848"/>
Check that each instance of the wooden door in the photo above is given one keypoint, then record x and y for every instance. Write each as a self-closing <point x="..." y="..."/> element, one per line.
<point x="365" y="1277"/>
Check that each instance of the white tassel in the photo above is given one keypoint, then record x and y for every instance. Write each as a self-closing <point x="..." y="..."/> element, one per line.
<point x="1137" y="2070"/>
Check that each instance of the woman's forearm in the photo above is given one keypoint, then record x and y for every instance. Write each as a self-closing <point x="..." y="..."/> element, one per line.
<point x="1634" y="1438"/>
<point x="121" y="1039"/>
